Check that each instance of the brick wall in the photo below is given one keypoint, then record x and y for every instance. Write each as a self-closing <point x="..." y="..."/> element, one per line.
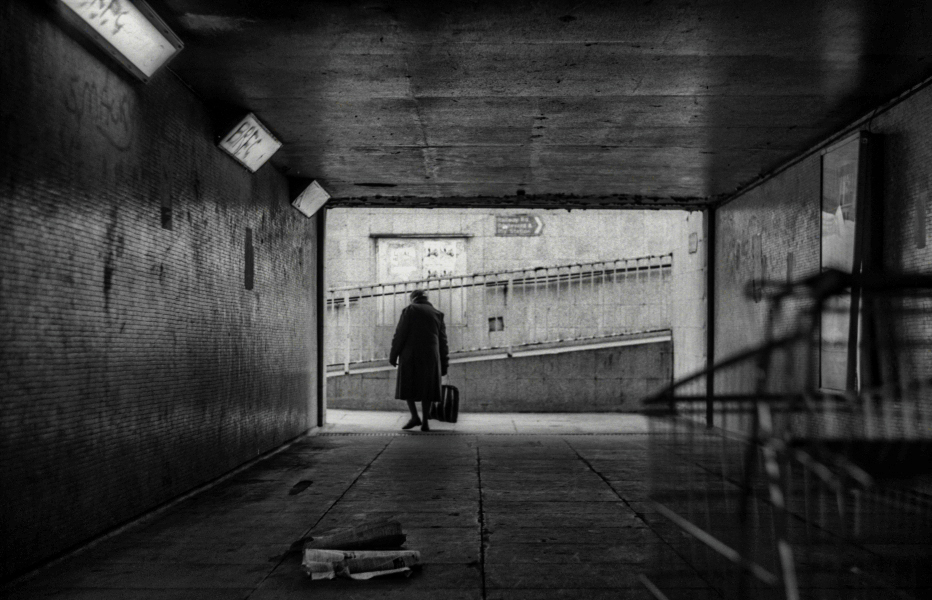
<point x="760" y="235"/>
<point x="604" y="380"/>
<point x="135" y="364"/>
<point x="906" y="136"/>
<point x="775" y="227"/>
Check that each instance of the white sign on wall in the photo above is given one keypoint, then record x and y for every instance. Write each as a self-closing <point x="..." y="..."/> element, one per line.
<point x="440" y="258"/>
<point x="250" y="143"/>
<point x="403" y="262"/>
<point x="411" y="259"/>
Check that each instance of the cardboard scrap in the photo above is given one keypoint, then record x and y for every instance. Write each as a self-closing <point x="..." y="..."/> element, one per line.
<point x="372" y="535"/>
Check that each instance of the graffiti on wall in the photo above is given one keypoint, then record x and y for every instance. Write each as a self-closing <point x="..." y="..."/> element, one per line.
<point x="104" y="107"/>
<point x="745" y="260"/>
<point x="439" y="258"/>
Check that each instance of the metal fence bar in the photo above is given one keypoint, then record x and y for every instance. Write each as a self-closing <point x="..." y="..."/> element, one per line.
<point x="601" y="299"/>
<point x="347" y="330"/>
<point x="537" y="305"/>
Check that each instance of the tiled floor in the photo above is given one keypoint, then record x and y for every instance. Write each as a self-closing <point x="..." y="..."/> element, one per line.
<point x="500" y="506"/>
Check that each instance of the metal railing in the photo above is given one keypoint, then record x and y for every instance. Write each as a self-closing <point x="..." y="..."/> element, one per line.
<point x="509" y="308"/>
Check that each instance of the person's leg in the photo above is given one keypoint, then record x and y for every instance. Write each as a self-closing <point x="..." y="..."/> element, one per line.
<point x="425" y="408"/>
<point x="412" y="406"/>
<point x="415" y="420"/>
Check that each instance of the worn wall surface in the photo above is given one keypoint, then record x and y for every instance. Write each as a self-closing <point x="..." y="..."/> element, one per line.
<point x="605" y="380"/>
<point x="135" y="363"/>
<point x="567" y="237"/>
<point x="906" y="139"/>
<point x="773" y="232"/>
<point x="688" y="310"/>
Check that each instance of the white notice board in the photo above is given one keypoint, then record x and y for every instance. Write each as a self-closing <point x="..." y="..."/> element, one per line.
<point x="412" y="259"/>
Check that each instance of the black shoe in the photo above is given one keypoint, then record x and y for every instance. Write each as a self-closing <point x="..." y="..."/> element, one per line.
<point x="425" y="427"/>
<point x="412" y="423"/>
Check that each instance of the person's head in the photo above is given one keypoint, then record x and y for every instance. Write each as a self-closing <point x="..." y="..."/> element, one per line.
<point x="417" y="296"/>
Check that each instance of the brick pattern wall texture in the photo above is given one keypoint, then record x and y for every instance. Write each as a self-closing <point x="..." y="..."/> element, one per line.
<point x="135" y="364"/>
<point x="604" y="380"/>
<point x="906" y="136"/>
<point x="773" y="231"/>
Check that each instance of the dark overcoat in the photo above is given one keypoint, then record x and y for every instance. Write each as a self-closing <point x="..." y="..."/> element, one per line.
<point x="419" y="349"/>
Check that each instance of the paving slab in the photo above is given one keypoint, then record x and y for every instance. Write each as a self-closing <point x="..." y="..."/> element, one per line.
<point x="393" y="504"/>
<point x="430" y="577"/>
<point x="624" y="518"/>
<point x="235" y="553"/>
<point x="552" y="495"/>
<point x="625" y="552"/>
<point x="562" y="487"/>
<point x="570" y="535"/>
<point x="635" y="593"/>
<point x="491" y="506"/>
<point x="564" y="575"/>
<point x="97" y="574"/>
<point x="453" y="545"/>
<point x="505" y="466"/>
<point x="32" y="593"/>
<point x="677" y="574"/>
<point x="364" y="590"/>
<point x="339" y="517"/>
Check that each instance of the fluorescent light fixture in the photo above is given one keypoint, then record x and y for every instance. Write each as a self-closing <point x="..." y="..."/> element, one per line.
<point x="311" y="199"/>
<point x="250" y="143"/>
<point x="131" y="32"/>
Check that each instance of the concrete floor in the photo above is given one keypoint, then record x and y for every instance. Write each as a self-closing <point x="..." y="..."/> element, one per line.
<point x="500" y="506"/>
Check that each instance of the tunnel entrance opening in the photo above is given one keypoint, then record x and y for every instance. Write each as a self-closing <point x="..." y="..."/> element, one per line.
<point x="546" y="311"/>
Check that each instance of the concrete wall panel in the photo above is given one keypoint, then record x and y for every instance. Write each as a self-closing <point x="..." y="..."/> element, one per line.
<point x="607" y="380"/>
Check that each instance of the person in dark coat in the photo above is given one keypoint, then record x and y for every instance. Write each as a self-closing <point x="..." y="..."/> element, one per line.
<point x="419" y="350"/>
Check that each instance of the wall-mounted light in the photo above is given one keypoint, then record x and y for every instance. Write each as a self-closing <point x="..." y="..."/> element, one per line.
<point x="130" y="32"/>
<point x="311" y="199"/>
<point x="250" y="143"/>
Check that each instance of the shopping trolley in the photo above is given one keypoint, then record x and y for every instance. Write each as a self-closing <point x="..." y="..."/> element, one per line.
<point x="782" y="488"/>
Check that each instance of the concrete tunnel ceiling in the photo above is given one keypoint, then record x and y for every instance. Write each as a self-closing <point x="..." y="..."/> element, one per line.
<point x="548" y="104"/>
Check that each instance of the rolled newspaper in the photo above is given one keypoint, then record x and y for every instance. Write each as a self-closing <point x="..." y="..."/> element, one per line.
<point x="360" y="564"/>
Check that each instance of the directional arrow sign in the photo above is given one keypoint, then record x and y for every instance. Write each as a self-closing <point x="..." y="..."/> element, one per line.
<point x="518" y="225"/>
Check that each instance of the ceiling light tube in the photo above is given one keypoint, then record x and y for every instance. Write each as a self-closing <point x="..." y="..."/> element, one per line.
<point x="250" y="143"/>
<point x="130" y="32"/>
<point x="311" y="199"/>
